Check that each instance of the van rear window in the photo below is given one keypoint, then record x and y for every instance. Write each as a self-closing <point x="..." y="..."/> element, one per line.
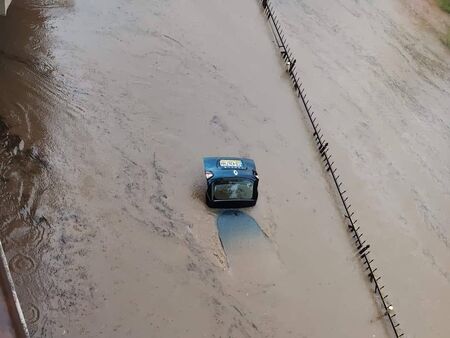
<point x="233" y="190"/>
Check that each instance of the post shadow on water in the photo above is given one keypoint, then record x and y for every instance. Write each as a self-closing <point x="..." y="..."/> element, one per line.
<point x="250" y="254"/>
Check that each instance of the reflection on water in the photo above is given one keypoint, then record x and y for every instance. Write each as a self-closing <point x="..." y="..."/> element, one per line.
<point x="250" y="255"/>
<point x="237" y="230"/>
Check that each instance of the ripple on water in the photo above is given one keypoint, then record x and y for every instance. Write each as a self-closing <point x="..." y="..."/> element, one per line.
<point x="31" y="234"/>
<point x="36" y="235"/>
<point x="21" y="263"/>
<point x="32" y="314"/>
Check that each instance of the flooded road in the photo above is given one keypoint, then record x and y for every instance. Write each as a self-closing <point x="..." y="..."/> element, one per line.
<point x="107" y="109"/>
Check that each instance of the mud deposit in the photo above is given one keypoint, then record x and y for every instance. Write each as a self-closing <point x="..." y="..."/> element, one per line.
<point x="107" y="108"/>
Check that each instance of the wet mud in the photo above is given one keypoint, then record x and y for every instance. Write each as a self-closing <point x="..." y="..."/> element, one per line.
<point x="107" y="109"/>
<point x="34" y="238"/>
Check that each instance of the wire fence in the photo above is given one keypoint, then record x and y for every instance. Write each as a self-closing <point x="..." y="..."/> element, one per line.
<point x="362" y="247"/>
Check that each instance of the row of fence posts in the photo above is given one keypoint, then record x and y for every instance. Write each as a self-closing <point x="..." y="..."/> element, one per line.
<point x="322" y="146"/>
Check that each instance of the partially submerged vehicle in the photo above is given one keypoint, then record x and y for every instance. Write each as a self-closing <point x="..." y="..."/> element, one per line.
<point x="232" y="182"/>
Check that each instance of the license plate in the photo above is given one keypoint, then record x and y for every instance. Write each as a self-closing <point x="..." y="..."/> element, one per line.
<point x="231" y="163"/>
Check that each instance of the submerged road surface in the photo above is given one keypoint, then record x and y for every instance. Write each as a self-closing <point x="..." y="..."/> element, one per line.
<point x="107" y="108"/>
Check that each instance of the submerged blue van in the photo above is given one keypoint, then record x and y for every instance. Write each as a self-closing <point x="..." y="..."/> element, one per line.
<point x="232" y="182"/>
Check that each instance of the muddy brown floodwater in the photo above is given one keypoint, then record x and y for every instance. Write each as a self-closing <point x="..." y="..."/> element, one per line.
<point x="107" y="108"/>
